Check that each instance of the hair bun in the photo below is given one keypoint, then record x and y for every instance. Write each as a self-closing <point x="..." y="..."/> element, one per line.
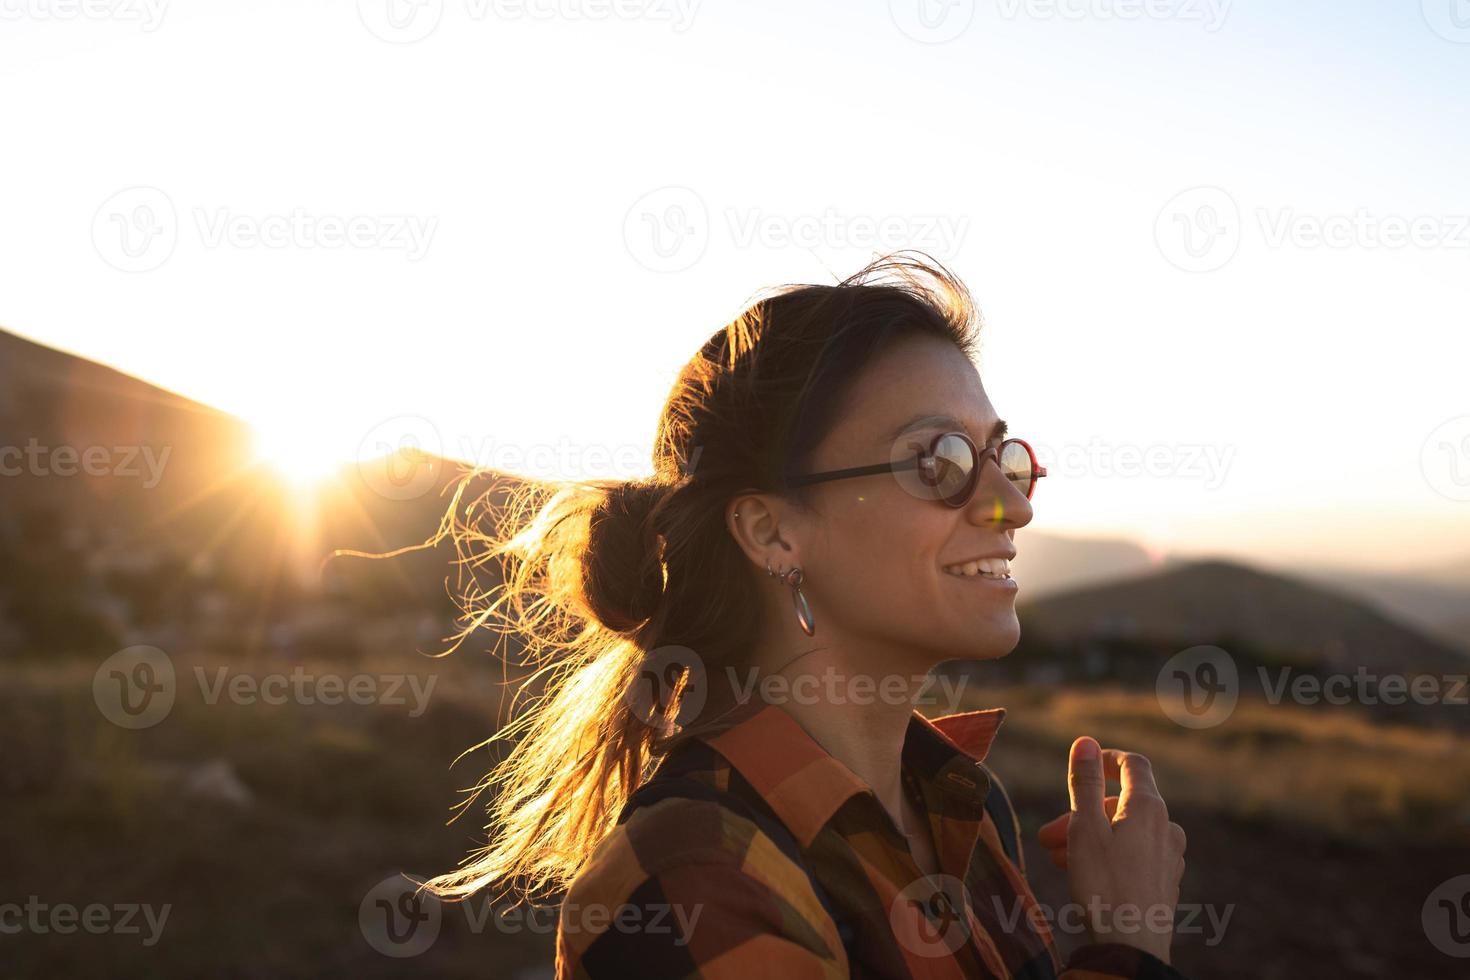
<point x="622" y="574"/>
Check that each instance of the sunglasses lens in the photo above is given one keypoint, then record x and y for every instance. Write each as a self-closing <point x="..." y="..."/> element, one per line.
<point x="1015" y="463"/>
<point x="954" y="469"/>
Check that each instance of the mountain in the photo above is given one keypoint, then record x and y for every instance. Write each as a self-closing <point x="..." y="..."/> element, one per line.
<point x="129" y="507"/>
<point x="1454" y="573"/>
<point x="1438" y="606"/>
<point x="1226" y="603"/>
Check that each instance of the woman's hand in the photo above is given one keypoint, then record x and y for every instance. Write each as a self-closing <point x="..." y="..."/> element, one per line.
<point x="1123" y="857"/>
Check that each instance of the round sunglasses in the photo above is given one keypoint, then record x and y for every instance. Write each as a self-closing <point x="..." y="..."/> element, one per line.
<point x="950" y="468"/>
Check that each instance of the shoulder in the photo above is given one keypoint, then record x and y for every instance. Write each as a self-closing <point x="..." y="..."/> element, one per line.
<point x="683" y="882"/>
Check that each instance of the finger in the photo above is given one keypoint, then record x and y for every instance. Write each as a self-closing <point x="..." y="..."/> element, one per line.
<point x="1053" y="833"/>
<point x="1135" y="773"/>
<point x="1085" y="779"/>
<point x="1059" y="858"/>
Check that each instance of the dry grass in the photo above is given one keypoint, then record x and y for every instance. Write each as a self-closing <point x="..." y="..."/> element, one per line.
<point x="1328" y="768"/>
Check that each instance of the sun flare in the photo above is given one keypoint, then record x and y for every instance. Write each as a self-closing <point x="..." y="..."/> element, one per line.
<point x="295" y="453"/>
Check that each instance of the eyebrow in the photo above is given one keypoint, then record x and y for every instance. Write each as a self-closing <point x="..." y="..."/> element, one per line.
<point x="940" y="421"/>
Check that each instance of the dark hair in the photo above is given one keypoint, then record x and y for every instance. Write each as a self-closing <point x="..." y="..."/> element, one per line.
<point x="606" y="572"/>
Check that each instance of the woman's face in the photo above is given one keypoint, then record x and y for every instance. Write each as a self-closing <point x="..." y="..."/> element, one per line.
<point x="878" y="556"/>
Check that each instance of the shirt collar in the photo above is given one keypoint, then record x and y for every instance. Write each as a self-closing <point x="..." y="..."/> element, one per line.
<point x="806" y="786"/>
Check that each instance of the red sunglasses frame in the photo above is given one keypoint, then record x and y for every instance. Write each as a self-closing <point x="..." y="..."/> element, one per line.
<point x="924" y="462"/>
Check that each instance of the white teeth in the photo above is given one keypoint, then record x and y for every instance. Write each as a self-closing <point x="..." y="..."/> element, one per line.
<point x="985" y="567"/>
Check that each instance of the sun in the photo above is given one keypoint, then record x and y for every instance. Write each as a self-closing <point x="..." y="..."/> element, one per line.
<point x="300" y="456"/>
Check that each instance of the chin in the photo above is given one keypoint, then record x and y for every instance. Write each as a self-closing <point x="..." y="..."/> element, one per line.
<point x="992" y="641"/>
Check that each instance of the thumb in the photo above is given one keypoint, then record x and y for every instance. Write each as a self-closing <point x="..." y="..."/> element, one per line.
<point x="1085" y="779"/>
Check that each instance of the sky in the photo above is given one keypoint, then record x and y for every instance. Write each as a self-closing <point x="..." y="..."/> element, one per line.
<point x="1222" y="248"/>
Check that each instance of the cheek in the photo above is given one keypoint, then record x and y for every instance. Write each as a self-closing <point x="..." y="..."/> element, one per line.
<point x="887" y="558"/>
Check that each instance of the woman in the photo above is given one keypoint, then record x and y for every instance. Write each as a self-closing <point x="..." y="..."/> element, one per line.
<point x="720" y="763"/>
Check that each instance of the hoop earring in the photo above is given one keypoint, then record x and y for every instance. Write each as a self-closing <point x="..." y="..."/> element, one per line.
<point x="804" y="618"/>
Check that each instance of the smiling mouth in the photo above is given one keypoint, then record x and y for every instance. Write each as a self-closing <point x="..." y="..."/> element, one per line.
<point x="996" y="569"/>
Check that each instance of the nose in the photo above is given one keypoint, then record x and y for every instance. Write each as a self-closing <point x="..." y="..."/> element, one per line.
<point x="997" y="502"/>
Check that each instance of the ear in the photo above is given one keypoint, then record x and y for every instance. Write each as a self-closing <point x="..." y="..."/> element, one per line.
<point x="758" y="528"/>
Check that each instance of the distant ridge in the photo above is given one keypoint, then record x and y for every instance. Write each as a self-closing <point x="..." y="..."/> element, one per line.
<point x="1205" y="600"/>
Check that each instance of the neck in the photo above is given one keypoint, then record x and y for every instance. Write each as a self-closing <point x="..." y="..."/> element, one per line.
<point x="866" y="736"/>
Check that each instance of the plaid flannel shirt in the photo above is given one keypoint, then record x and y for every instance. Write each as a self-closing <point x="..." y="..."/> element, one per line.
<point x="708" y="887"/>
